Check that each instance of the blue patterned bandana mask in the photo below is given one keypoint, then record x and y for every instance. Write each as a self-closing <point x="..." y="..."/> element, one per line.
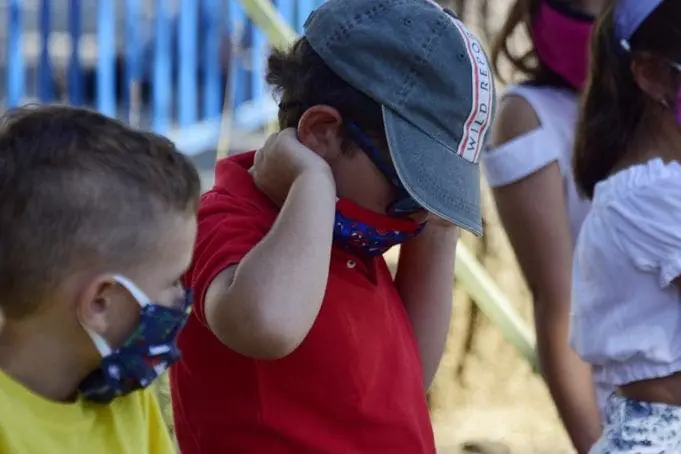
<point x="365" y="232"/>
<point x="145" y="356"/>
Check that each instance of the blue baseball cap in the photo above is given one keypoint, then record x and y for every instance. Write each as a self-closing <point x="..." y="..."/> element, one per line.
<point x="434" y="83"/>
<point x="629" y="15"/>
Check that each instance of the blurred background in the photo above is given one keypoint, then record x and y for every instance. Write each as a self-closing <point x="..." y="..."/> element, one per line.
<point x="193" y="70"/>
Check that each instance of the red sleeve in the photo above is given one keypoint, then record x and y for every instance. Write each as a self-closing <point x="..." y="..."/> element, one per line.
<point x="229" y="227"/>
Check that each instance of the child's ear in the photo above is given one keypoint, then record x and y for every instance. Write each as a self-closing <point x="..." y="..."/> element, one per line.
<point x="108" y="309"/>
<point x="320" y="130"/>
<point x="655" y="78"/>
<point x="94" y="304"/>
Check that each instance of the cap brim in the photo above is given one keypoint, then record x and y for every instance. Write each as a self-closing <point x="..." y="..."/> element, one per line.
<point x="434" y="174"/>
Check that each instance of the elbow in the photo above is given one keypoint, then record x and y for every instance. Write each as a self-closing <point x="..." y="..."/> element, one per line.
<point x="254" y="334"/>
<point x="260" y="344"/>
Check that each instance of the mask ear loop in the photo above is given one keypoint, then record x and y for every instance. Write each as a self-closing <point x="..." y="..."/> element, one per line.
<point x="101" y="345"/>
<point x="141" y="298"/>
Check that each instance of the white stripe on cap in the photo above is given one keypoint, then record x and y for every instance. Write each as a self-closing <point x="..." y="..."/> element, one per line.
<point x="480" y="117"/>
<point x="629" y="15"/>
<point x="482" y="91"/>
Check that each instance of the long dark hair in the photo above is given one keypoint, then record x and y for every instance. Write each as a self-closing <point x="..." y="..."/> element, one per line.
<point x="613" y="104"/>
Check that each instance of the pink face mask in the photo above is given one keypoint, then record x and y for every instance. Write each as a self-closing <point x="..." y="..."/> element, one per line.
<point x="562" y="43"/>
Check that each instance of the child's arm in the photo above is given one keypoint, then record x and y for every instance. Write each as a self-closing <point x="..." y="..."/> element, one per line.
<point x="264" y="306"/>
<point x="424" y="279"/>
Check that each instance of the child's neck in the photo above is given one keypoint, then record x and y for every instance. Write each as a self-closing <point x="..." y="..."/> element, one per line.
<point x="34" y="359"/>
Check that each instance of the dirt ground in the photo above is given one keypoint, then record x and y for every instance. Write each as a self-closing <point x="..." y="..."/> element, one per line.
<point x="522" y="424"/>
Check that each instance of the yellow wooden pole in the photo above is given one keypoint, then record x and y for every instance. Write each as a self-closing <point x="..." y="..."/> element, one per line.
<point x="279" y="34"/>
<point x="267" y="18"/>
<point x="493" y="303"/>
<point x="222" y="148"/>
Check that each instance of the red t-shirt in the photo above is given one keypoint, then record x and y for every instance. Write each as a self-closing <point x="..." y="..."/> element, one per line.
<point x="353" y="386"/>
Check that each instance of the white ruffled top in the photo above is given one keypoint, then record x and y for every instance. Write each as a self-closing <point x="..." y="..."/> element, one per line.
<point x="626" y="311"/>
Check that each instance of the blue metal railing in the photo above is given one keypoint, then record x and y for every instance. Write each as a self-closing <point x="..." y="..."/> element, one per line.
<point x="166" y="61"/>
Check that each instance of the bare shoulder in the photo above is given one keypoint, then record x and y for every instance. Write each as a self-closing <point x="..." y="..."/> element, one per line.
<point x="515" y="117"/>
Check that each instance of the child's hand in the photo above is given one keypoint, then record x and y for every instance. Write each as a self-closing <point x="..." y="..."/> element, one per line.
<point x="281" y="160"/>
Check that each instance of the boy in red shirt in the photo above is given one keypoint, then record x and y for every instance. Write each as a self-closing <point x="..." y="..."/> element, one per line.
<point x="301" y="341"/>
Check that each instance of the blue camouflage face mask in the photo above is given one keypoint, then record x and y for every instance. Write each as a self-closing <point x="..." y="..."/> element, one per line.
<point x="144" y="356"/>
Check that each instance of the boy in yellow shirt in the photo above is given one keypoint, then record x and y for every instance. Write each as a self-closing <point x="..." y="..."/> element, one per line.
<point x="97" y="226"/>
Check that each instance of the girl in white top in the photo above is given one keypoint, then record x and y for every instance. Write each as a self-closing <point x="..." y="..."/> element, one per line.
<point x="626" y="318"/>
<point x="529" y="167"/>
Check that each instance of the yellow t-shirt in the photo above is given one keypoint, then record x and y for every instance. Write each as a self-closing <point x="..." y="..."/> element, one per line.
<point x="30" y="424"/>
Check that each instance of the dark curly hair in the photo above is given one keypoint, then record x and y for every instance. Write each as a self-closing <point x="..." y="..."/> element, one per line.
<point x="301" y="79"/>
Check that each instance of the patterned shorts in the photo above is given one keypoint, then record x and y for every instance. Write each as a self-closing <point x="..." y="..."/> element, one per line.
<point x="639" y="428"/>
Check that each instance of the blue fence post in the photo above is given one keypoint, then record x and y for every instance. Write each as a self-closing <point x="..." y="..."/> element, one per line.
<point x="187" y="47"/>
<point x="106" y="57"/>
<point x="236" y="27"/>
<point x="15" y="55"/>
<point x="233" y="87"/>
<point x="75" y="74"/>
<point x="162" y="81"/>
<point x="45" y="79"/>
<point x="133" y="69"/>
<point x="212" y="58"/>
<point x="258" y="62"/>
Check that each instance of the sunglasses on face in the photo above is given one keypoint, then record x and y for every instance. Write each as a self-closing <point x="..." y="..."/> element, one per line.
<point x="404" y="204"/>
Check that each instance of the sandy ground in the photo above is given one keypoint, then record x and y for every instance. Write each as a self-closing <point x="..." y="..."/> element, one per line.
<point x="526" y="427"/>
